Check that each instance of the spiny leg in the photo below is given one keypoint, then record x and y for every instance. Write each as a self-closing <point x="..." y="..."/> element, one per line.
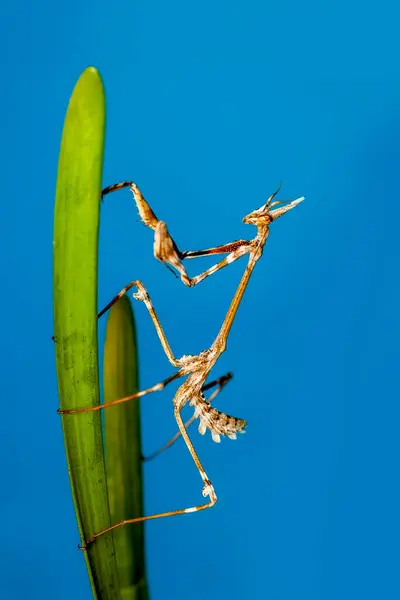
<point x="223" y="249"/>
<point x="240" y="251"/>
<point x="146" y="214"/>
<point x="115" y="187"/>
<point x="221" y="383"/>
<point x="167" y="252"/>
<point x="154" y="388"/>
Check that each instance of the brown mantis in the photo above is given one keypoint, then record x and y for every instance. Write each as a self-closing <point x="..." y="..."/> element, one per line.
<point x="195" y="368"/>
<point x="167" y="252"/>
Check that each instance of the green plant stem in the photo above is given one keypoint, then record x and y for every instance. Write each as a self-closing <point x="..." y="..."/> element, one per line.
<point x="76" y="229"/>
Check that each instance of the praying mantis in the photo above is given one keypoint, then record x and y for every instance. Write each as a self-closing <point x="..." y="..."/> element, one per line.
<point x="195" y="368"/>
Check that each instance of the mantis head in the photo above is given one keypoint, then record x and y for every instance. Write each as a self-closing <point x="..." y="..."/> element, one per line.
<point x="264" y="215"/>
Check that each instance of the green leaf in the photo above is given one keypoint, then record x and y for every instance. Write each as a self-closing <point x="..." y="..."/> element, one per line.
<point x="123" y="448"/>
<point x="76" y="230"/>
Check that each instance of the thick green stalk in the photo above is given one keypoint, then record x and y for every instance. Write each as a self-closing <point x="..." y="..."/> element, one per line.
<point x="76" y="230"/>
<point x="123" y="449"/>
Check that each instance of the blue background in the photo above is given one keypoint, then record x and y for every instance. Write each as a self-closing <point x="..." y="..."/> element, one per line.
<point x="209" y="106"/>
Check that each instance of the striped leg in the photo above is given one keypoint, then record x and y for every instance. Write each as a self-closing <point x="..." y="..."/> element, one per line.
<point x="116" y="298"/>
<point x="238" y="253"/>
<point x="115" y="187"/>
<point x="221" y="383"/>
<point x="167" y="252"/>
<point x="208" y="490"/>
<point x="223" y="249"/>
<point x="155" y="388"/>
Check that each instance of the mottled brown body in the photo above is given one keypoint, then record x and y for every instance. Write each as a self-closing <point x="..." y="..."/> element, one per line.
<point x="195" y="368"/>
